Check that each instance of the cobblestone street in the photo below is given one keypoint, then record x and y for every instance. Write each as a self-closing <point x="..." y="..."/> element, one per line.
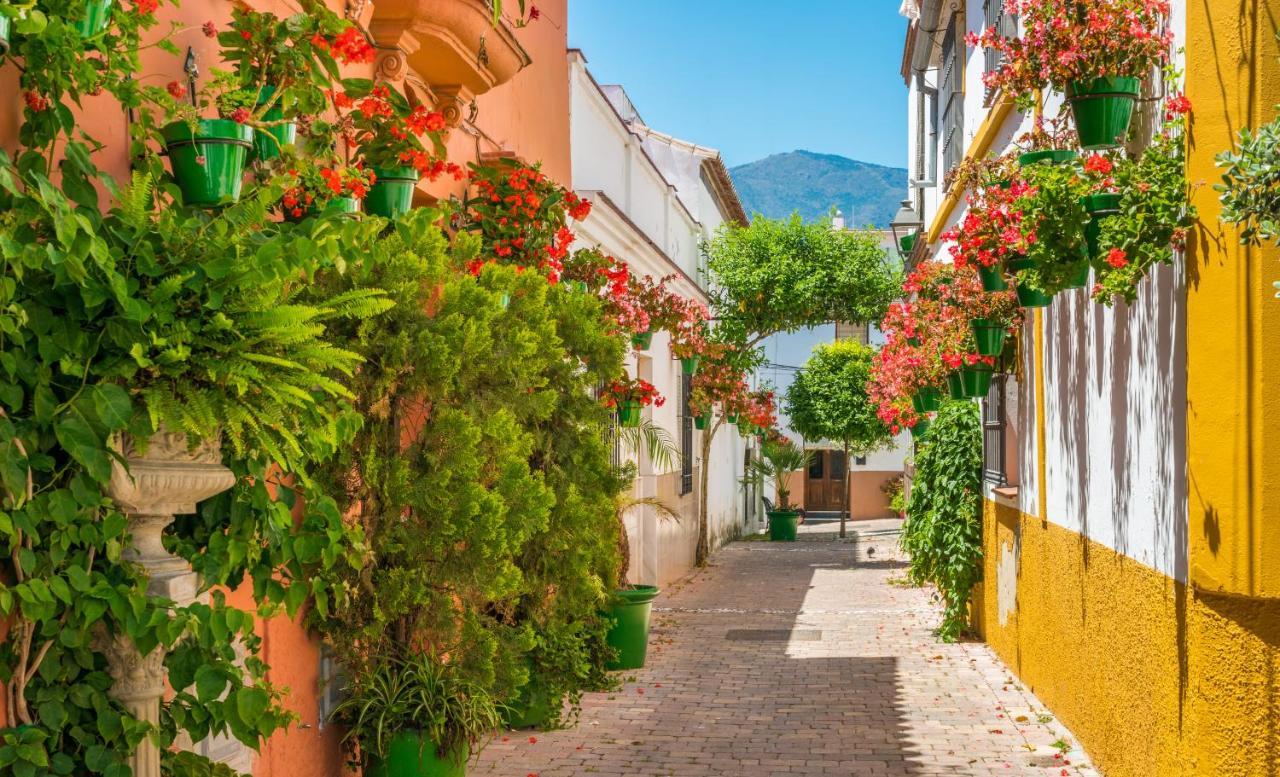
<point x="810" y="658"/>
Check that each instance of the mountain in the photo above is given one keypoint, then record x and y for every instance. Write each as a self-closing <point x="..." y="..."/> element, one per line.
<point x="812" y="183"/>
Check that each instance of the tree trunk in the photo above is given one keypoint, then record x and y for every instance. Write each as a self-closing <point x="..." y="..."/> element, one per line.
<point x="844" y="497"/>
<point x="703" y="552"/>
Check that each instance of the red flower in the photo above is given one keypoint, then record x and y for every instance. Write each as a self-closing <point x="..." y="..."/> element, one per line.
<point x="36" y="102"/>
<point x="1117" y="258"/>
<point x="209" y="30"/>
<point x="1098" y="164"/>
<point x="534" y="13"/>
<point x="245" y="34"/>
<point x="351" y="46"/>
<point x="177" y="90"/>
<point x="240" y="115"/>
<point x="318" y="41"/>
<point x="146" y="7"/>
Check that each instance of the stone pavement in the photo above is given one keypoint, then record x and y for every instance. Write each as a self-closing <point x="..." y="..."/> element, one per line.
<point x="810" y="658"/>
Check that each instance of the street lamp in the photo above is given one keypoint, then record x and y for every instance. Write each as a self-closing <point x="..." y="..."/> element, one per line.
<point x="905" y="225"/>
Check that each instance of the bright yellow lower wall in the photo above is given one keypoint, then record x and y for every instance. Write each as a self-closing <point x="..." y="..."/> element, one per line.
<point x="1152" y="678"/>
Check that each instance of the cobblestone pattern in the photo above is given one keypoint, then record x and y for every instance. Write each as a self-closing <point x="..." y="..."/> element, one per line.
<point x="838" y="673"/>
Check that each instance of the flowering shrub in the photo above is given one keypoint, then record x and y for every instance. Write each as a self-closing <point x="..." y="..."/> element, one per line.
<point x="689" y="334"/>
<point x="719" y="379"/>
<point x="992" y="229"/>
<point x="628" y="389"/>
<point x="316" y="184"/>
<point x="1155" y="210"/>
<point x="1068" y="41"/>
<point x="521" y="215"/>
<point x="388" y="133"/>
<point x="1051" y="207"/>
<point x="761" y="409"/>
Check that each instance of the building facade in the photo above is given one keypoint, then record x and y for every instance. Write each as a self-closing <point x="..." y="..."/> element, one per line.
<point x="1132" y="477"/>
<point x="657" y="199"/>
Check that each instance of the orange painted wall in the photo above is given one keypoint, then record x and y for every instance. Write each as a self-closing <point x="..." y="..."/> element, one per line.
<point x="528" y="116"/>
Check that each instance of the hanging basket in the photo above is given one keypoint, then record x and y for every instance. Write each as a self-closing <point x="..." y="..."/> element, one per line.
<point x="927" y="400"/>
<point x="992" y="278"/>
<point x="629" y="413"/>
<point x="970" y="382"/>
<point x="97" y="14"/>
<point x="989" y="335"/>
<point x="209" y="163"/>
<point x="338" y="206"/>
<point x="907" y="242"/>
<point x="1079" y="277"/>
<point x="642" y="340"/>
<point x="689" y="365"/>
<point x="702" y="421"/>
<point x="1102" y="109"/>
<point x="1100" y="207"/>
<point x="392" y="192"/>
<point x="920" y="429"/>
<point x="1033" y="298"/>
<point x="1048" y="157"/>
<point x="268" y="142"/>
<point x="731" y="418"/>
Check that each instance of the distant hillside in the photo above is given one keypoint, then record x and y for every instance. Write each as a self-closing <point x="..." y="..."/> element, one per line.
<point x="812" y="183"/>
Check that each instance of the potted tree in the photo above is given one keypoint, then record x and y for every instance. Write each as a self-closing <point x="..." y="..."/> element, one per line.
<point x="415" y="716"/>
<point x="779" y="457"/>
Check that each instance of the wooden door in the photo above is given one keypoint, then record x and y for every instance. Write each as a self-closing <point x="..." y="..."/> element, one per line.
<point x="824" y="482"/>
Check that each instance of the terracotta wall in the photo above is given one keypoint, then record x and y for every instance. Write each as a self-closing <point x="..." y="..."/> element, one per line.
<point x="866" y="500"/>
<point x="528" y="116"/>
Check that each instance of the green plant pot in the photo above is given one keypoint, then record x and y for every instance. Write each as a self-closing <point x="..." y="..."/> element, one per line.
<point x="989" y="336"/>
<point x="630" y="632"/>
<point x="993" y="278"/>
<point x="392" y="192"/>
<point x="689" y="365"/>
<point x="701" y="422"/>
<point x="1049" y="156"/>
<point x="955" y="386"/>
<point x="642" y="340"/>
<point x="579" y="286"/>
<point x="1079" y="277"/>
<point x="209" y="164"/>
<point x="908" y="242"/>
<point x="921" y="429"/>
<point x="629" y="413"/>
<point x="974" y="381"/>
<point x="338" y="206"/>
<point x="927" y="400"/>
<point x="410" y="754"/>
<point x="97" y="14"/>
<point x="1020" y="263"/>
<point x="1102" y="109"/>
<point x="1032" y="298"/>
<point x="1100" y="207"/>
<point x="4" y="35"/>
<point x="730" y="418"/>
<point x="268" y="142"/>
<point x="782" y="525"/>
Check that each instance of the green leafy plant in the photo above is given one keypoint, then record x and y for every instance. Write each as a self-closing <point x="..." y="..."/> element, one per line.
<point x="894" y="489"/>
<point x="417" y="693"/>
<point x="1052" y="211"/>
<point x="1250" y="188"/>
<point x="778" y="459"/>
<point x="943" y="530"/>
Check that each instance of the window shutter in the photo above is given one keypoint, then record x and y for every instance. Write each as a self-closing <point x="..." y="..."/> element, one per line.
<point x="951" y="93"/>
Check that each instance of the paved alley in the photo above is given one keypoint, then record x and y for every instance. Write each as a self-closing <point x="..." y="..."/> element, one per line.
<point x="810" y="658"/>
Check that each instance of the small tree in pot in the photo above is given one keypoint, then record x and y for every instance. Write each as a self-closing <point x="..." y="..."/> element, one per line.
<point x="779" y="457"/>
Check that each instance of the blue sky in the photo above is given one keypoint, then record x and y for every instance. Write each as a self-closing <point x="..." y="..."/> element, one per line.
<point x="753" y="77"/>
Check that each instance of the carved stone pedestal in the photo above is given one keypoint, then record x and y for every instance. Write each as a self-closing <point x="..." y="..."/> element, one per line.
<point x="167" y="480"/>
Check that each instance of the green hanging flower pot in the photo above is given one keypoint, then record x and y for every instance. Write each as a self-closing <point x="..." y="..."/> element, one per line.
<point x="689" y="364"/>
<point x="920" y="429"/>
<point x="642" y="340"/>
<point x="629" y="413"/>
<point x="972" y="382"/>
<point x="992" y="278"/>
<point x="268" y="142"/>
<point x="411" y="754"/>
<point x="1100" y="207"/>
<point x="702" y="421"/>
<point x="630" y="632"/>
<point x="1032" y="298"/>
<point x="927" y="400"/>
<point x="392" y="192"/>
<point x="97" y="14"/>
<point x="208" y="164"/>
<point x="1079" y="277"/>
<point x="1020" y="263"/>
<point x="1102" y="109"/>
<point x="989" y="335"/>
<point x="731" y="418"/>
<point x="578" y="286"/>
<point x="4" y="34"/>
<point x="908" y="242"/>
<point x="1048" y="156"/>
<point x="338" y="206"/>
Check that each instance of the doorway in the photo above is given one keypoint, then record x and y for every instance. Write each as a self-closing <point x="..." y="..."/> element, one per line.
<point x="824" y="482"/>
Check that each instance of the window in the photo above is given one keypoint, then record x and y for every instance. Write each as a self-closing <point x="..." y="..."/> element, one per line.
<point x="993" y="426"/>
<point x="815" y="466"/>
<point x="926" y="171"/>
<point x="951" y="95"/>
<point x="837" y="464"/>
<point x="860" y="461"/>
<point x="686" y="435"/>
<point x="1006" y="24"/>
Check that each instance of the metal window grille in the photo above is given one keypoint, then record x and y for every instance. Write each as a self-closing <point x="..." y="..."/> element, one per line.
<point x="686" y="435"/>
<point x="993" y="428"/>
<point x="1004" y="23"/>
<point x="951" y="94"/>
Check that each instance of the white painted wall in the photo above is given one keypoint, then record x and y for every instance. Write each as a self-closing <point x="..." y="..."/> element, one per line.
<point x="642" y="221"/>
<point x="1114" y="392"/>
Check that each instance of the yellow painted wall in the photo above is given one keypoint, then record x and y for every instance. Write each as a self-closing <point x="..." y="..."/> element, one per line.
<point x="1154" y="678"/>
